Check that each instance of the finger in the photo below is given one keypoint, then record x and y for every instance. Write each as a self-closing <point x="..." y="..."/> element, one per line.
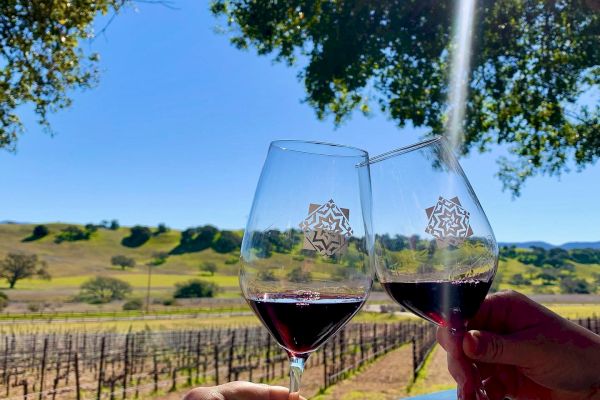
<point x="507" y="311"/>
<point x="450" y="342"/>
<point x="491" y="348"/>
<point x="462" y="371"/>
<point x="239" y="391"/>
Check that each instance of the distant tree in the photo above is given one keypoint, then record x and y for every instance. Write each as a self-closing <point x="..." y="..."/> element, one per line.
<point x="508" y="251"/>
<point x="297" y="275"/>
<point x="267" y="275"/>
<point x="519" y="280"/>
<point x="209" y="267"/>
<point x="195" y="288"/>
<point x="162" y="228"/>
<point x="573" y="285"/>
<point x="91" y="228"/>
<point x="548" y="276"/>
<point x="195" y="239"/>
<point x="72" y="233"/>
<point x="17" y="266"/>
<point x="40" y="231"/>
<point x="557" y="257"/>
<point x="114" y="225"/>
<point x="137" y="237"/>
<point x="3" y="301"/>
<point x="122" y="261"/>
<point x="159" y="257"/>
<point x="104" y="289"/>
<point x="227" y="241"/>
<point x="585" y="256"/>
<point x="105" y="224"/>
<point x="133" y="304"/>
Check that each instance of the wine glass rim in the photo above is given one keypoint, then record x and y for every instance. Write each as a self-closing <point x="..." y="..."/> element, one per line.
<point x="305" y="146"/>
<point x="405" y="149"/>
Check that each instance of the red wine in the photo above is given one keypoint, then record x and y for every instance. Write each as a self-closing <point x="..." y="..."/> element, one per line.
<point x="300" y="324"/>
<point x="446" y="303"/>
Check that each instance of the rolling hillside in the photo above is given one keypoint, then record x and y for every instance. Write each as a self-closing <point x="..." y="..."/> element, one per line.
<point x="71" y="263"/>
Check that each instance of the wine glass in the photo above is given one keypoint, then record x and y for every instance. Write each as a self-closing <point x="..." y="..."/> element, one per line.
<point x="305" y="267"/>
<point x="435" y="252"/>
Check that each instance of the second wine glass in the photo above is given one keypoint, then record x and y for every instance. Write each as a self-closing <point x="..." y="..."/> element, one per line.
<point x="305" y="253"/>
<point x="435" y="252"/>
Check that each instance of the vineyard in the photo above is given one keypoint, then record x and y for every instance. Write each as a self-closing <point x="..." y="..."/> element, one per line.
<point x="136" y="365"/>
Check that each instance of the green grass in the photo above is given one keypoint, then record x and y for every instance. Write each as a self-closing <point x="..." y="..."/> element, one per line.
<point x="72" y="263"/>
<point x="509" y="267"/>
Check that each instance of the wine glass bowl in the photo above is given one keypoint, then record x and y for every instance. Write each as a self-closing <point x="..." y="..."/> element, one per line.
<point x="435" y="251"/>
<point x="305" y="266"/>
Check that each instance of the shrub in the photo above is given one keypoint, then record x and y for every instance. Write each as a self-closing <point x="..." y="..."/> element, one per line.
<point x="519" y="280"/>
<point x="579" y="286"/>
<point x="227" y="241"/>
<point x="137" y="237"/>
<point x="103" y="289"/>
<point x="3" y="301"/>
<point x="549" y="276"/>
<point x="232" y="260"/>
<point x="195" y="288"/>
<point x="169" y="302"/>
<point x="72" y="233"/>
<point x="299" y="276"/>
<point x="267" y="276"/>
<point x="162" y="228"/>
<point x="133" y="304"/>
<point x="209" y="267"/>
<point x="114" y="225"/>
<point x="159" y="257"/>
<point x="34" y="307"/>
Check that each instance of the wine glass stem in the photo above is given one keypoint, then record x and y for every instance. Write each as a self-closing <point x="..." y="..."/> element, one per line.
<point x="296" y="370"/>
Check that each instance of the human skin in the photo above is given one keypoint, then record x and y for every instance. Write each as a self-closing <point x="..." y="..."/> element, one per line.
<point x="241" y="391"/>
<point x="522" y="350"/>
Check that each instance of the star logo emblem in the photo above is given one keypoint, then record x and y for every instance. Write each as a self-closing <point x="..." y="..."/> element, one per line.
<point x="448" y="222"/>
<point x="326" y="229"/>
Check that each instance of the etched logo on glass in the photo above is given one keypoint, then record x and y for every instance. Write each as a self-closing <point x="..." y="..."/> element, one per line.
<point x="326" y="229"/>
<point x="448" y="222"/>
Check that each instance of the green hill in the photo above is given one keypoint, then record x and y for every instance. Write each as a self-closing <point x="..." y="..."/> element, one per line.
<point x="71" y="263"/>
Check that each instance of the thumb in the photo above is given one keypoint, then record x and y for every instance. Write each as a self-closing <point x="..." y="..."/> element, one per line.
<point x="492" y="348"/>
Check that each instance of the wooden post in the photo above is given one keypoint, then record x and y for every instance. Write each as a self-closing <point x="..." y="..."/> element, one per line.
<point x="43" y="368"/>
<point x="101" y="369"/>
<point x="77" y="382"/>
<point x="216" y="352"/>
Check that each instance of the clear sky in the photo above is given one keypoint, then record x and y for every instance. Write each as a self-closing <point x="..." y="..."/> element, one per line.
<point x="178" y="128"/>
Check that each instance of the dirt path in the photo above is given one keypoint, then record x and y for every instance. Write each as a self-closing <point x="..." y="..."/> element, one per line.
<point x="384" y="379"/>
<point x="434" y="376"/>
<point x="388" y="378"/>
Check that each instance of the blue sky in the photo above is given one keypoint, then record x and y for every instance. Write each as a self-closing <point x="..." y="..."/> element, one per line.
<point x="178" y="128"/>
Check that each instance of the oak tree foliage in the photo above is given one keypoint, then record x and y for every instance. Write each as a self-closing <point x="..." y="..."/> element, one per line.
<point x="532" y="61"/>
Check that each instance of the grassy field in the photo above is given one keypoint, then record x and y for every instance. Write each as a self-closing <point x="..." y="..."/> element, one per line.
<point x="72" y="263"/>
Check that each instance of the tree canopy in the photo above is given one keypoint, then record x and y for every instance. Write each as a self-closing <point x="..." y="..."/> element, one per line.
<point x="532" y="61"/>
<point x="42" y="57"/>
